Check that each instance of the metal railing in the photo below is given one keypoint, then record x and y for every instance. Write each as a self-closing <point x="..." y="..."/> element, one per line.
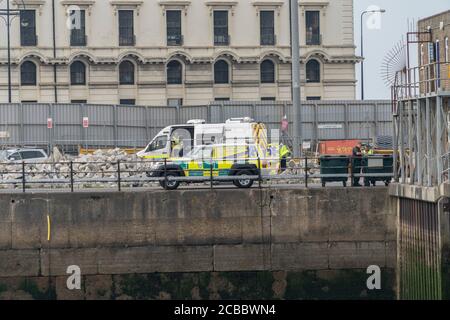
<point x="145" y="173"/>
<point x="422" y="80"/>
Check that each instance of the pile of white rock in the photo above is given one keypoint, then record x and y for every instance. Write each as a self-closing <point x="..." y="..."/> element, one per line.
<point x="99" y="169"/>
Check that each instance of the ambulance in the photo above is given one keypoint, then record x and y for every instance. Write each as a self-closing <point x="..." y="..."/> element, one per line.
<point x="178" y="140"/>
<point x="239" y="163"/>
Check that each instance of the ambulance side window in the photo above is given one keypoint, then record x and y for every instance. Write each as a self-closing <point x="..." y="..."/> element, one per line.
<point x="207" y="153"/>
<point x="157" y="144"/>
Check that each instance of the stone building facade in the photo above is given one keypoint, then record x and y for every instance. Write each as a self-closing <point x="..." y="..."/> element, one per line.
<point x="169" y="52"/>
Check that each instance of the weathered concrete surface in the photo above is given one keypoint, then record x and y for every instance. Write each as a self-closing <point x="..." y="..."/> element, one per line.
<point x="197" y="231"/>
<point x="321" y="284"/>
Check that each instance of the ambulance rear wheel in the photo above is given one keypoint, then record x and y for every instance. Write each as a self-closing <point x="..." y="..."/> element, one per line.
<point x="172" y="184"/>
<point x="243" y="183"/>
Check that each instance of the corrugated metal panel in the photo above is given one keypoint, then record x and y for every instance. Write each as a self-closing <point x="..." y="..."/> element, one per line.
<point x="420" y="270"/>
<point x="119" y="125"/>
<point x="331" y="113"/>
<point x="193" y="112"/>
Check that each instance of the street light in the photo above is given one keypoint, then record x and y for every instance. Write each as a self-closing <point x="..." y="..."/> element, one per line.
<point x="8" y="16"/>
<point x="296" y="102"/>
<point x="362" y="47"/>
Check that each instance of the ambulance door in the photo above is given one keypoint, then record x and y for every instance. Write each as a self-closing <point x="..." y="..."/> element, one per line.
<point x="158" y="148"/>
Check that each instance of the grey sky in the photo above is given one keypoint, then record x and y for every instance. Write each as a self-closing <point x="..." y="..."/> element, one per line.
<point x="377" y="43"/>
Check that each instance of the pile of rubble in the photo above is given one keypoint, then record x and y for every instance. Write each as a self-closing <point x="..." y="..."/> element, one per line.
<point x="101" y="165"/>
<point x="100" y="169"/>
<point x="296" y="169"/>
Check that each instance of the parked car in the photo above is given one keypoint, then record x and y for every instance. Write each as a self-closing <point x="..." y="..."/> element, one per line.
<point x="23" y="154"/>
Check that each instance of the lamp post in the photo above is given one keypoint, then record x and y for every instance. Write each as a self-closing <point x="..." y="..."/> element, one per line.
<point x="296" y="102"/>
<point x="8" y="16"/>
<point x="362" y="47"/>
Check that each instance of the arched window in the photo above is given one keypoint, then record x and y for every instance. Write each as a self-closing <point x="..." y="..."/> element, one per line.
<point x="313" y="71"/>
<point x="174" y="72"/>
<point x="221" y="72"/>
<point x="28" y="74"/>
<point x="267" y="72"/>
<point x="77" y="73"/>
<point x="126" y="72"/>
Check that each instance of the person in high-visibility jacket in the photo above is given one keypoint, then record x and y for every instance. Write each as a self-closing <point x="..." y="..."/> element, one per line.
<point x="284" y="153"/>
<point x="367" y="150"/>
<point x="177" y="148"/>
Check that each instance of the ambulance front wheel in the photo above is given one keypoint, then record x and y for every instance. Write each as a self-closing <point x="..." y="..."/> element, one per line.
<point x="171" y="184"/>
<point x="243" y="183"/>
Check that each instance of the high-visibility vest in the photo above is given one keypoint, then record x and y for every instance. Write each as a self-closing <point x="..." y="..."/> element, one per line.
<point x="284" y="151"/>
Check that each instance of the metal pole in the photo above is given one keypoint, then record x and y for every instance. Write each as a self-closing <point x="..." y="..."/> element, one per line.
<point x="306" y="171"/>
<point x="71" y="176"/>
<point x="395" y="122"/>
<point x="211" y="172"/>
<point x="118" y="176"/>
<point x="55" y="86"/>
<point x="23" y="176"/>
<point x="259" y="173"/>
<point x="419" y="126"/>
<point x="362" y="56"/>
<point x="8" y="31"/>
<point x="428" y="140"/>
<point x="402" y="141"/>
<point x="411" y="152"/>
<point x="295" y="53"/>
<point x="439" y="121"/>
<point x="362" y="47"/>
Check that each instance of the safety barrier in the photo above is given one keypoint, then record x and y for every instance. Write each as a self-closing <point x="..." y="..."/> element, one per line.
<point x="122" y="174"/>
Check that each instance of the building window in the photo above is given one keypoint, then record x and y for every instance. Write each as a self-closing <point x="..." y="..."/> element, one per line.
<point x="221" y="37"/>
<point x="174" y="37"/>
<point x="221" y="72"/>
<point x="28" y="74"/>
<point x="126" y="73"/>
<point x="313" y="71"/>
<point x="222" y="99"/>
<point x="28" y="28"/>
<point x="267" y="72"/>
<point x="313" y="28"/>
<point x="313" y="98"/>
<point x="178" y="102"/>
<point x="421" y="55"/>
<point x="126" y="28"/>
<point x="431" y="50"/>
<point x="268" y="99"/>
<point x="78" y="35"/>
<point x="174" y="72"/>
<point x="128" y="102"/>
<point x="446" y="50"/>
<point x="267" y="26"/>
<point x="437" y="47"/>
<point x="77" y="73"/>
<point x="78" y="101"/>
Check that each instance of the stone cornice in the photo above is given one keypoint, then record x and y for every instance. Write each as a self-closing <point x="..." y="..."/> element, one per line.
<point x="126" y="3"/>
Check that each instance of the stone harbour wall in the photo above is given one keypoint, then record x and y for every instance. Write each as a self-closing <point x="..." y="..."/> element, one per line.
<point x="313" y="238"/>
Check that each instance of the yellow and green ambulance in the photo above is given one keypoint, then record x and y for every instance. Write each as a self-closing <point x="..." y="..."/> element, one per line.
<point x="229" y="161"/>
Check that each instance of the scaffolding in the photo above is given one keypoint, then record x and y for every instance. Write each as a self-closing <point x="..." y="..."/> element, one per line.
<point x="420" y="106"/>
